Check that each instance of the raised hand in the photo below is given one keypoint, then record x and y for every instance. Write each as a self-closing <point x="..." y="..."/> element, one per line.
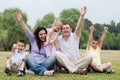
<point x="20" y="19"/>
<point x="83" y="11"/>
<point x="18" y="16"/>
<point x="91" y="28"/>
<point x="105" y="29"/>
<point x="15" y="46"/>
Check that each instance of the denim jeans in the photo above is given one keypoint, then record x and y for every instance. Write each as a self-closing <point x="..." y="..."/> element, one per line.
<point x="39" y="69"/>
<point x="32" y="64"/>
<point x="49" y="62"/>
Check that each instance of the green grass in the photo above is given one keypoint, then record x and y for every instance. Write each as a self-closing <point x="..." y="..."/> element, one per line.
<point x="107" y="55"/>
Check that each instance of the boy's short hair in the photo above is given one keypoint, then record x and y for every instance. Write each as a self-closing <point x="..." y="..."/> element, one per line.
<point x="96" y="38"/>
<point x="22" y="41"/>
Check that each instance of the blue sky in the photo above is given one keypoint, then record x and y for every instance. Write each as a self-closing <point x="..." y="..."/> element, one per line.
<point x="99" y="11"/>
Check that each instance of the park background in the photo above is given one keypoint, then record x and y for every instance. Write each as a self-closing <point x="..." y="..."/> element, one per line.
<point x="42" y="13"/>
<point x="36" y="13"/>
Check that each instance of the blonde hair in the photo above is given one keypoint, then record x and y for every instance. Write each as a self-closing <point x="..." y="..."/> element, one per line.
<point x="57" y="22"/>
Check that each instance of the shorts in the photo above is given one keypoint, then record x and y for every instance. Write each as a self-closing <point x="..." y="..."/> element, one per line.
<point x="15" y="68"/>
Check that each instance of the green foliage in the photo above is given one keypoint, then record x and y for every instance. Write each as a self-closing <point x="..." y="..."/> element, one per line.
<point x="84" y="39"/>
<point x="117" y="42"/>
<point x="10" y="28"/>
<point x="87" y="24"/>
<point x="98" y="30"/>
<point x="70" y="16"/>
<point x="46" y="21"/>
<point x="109" y="40"/>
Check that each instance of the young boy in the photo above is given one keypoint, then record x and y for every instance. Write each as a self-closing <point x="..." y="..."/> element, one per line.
<point x="93" y="48"/>
<point x="17" y="64"/>
<point x="51" y="44"/>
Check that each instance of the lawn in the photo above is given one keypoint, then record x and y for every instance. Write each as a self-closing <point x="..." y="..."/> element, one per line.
<point x="107" y="55"/>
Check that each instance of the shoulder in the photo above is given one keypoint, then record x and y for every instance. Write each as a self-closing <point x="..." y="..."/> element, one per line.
<point x="75" y="36"/>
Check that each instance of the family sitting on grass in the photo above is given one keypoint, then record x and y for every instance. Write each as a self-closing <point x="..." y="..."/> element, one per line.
<point x="50" y="53"/>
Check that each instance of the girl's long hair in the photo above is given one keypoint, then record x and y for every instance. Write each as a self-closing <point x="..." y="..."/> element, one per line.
<point x="36" y="34"/>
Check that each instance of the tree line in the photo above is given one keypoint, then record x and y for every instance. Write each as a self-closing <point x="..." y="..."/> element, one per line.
<point x="11" y="31"/>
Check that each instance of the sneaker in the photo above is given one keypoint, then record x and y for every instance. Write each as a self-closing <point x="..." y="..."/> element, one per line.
<point x="108" y="71"/>
<point x="49" y="73"/>
<point x="81" y="71"/>
<point x="20" y="73"/>
<point x="8" y="71"/>
<point x="90" y="70"/>
<point x="64" y="70"/>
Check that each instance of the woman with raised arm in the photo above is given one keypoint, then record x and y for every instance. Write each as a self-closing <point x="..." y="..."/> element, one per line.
<point x="38" y="61"/>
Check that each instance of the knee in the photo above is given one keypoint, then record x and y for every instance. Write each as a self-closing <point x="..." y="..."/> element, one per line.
<point x="27" y="59"/>
<point x="109" y="64"/>
<point x="89" y="58"/>
<point x="57" y="53"/>
<point x="53" y="58"/>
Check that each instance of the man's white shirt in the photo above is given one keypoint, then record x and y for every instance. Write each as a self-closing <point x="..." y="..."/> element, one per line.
<point x="70" y="47"/>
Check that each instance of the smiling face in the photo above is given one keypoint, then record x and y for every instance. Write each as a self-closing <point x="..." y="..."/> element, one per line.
<point x="94" y="43"/>
<point x="21" y="46"/>
<point x="56" y="26"/>
<point x="42" y="35"/>
<point x="66" y="30"/>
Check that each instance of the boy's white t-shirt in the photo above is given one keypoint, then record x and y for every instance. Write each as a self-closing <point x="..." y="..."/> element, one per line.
<point x="18" y="57"/>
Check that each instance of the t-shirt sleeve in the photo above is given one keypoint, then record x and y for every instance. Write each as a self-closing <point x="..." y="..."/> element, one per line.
<point x="76" y="37"/>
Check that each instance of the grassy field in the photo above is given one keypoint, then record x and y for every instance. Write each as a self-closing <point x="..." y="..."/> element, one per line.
<point x="112" y="56"/>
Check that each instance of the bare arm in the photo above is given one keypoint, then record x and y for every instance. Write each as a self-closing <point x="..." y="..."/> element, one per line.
<point x="103" y="36"/>
<point x="14" y="47"/>
<point x="80" y="21"/>
<point x="55" y="36"/>
<point x="90" y="36"/>
<point x="20" y="19"/>
<point x="47" y="40"/>
<point x="57" y="45"/>
<point x="24" y="26"/>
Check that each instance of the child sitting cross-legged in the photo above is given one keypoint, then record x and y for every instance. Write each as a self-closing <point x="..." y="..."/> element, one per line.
<point x="93" y="48"/>
<point x="16" y="63"/>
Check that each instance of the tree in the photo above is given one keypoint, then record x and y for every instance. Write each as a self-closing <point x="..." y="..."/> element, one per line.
<point x="10" y="28"/>
<point x="84" y="38"/>
<point x="117" y="30"/>
<point x="109" y="40"/>
<point x="46" y="21"/>
<point x="98" y="30"/>
<point x="87" y="24"/>
<point x="117" y="42"/>
<point x="71" y="16"/>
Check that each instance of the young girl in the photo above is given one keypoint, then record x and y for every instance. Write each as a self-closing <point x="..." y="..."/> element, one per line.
<point x="51" y="43"/>
<point x="93" y="48"/>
